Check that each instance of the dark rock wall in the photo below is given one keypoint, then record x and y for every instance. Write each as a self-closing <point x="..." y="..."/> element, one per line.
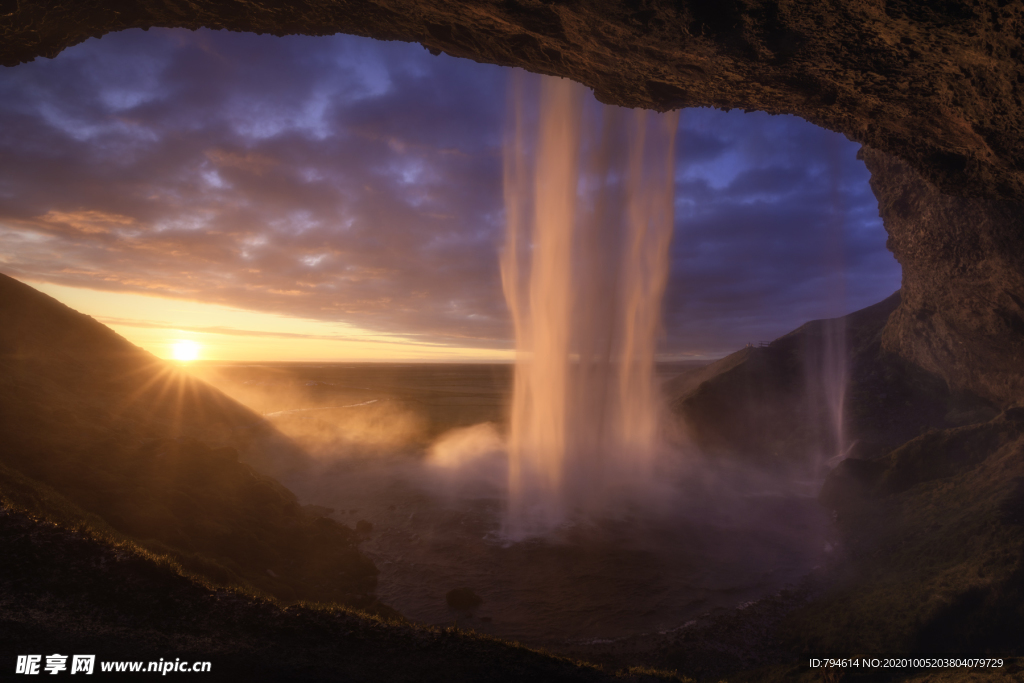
<point x="937" y="84"/>
<point x="962" y="310"/>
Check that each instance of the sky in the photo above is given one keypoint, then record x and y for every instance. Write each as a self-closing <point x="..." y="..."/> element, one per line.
<point x="340" y="198"/>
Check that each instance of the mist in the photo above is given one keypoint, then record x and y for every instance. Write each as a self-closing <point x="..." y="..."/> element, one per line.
<point x="566" y="490"/>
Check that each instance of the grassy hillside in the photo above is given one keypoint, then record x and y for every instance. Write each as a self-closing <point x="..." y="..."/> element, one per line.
<point x="763" y="404"/>
<point x="153" y="453"/>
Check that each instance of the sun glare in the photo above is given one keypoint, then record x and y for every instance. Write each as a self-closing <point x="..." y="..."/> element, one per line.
<point x="185" y="350"/>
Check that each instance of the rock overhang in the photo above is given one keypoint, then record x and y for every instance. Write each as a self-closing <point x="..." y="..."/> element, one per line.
<point x="937" y="84"/>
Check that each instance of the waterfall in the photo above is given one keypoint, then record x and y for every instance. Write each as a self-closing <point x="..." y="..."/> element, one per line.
<point x="827" y="371"/>
<point x="834" y="361"/>
<point x="589" y="211"/>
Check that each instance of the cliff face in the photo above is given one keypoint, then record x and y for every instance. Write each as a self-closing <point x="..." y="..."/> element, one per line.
<point x="936" y="84"/>
<point x="962" y="310"/>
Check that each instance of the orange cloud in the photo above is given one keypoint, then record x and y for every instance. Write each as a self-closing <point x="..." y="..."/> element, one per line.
<point x="89" y="222"/>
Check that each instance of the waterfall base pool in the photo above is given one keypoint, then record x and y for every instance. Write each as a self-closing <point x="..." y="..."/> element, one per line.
<point x="588" y="580"/>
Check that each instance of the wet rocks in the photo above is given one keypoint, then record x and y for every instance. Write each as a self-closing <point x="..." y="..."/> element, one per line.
<point x="961" y="314"/>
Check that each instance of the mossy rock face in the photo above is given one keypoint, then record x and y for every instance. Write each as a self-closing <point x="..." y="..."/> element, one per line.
<point x="934" y="548"/>
<point x="463" y="599"/>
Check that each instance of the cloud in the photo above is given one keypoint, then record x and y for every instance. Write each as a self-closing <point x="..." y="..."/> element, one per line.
<point x="778" y="228"/>
<point x="346" y="179"/>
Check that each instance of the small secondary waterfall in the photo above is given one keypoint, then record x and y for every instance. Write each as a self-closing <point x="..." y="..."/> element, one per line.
<point x="827" y="372"/>
<point x="584" y="267"/>
<point x="828" y="363"/>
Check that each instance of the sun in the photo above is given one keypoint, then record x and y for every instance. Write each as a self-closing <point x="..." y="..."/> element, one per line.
<point x="185" y="350"/>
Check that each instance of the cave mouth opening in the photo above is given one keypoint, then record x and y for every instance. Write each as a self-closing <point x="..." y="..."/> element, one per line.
<point x="259" y="173"/>
<point x="303" y="174"/>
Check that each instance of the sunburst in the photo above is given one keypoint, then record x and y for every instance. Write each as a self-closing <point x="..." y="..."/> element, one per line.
<point x="185" y="350"/>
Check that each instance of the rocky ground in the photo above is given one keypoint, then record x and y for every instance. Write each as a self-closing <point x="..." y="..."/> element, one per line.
<point x="61" y="591"/>
<point x="716" y="646"/>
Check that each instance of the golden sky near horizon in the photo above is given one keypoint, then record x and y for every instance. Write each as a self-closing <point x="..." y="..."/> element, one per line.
<point x="159" y="325"/>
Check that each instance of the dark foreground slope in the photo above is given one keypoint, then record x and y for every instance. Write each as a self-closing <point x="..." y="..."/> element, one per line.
<point x="63" y="592"/>
<point x="154" y="454"/>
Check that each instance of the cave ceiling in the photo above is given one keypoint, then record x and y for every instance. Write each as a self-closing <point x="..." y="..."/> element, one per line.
<point x="937" y="84"/>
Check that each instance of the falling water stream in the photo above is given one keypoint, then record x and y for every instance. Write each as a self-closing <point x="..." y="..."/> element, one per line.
<point x="583" y="522"/>
<point x="584" y="270"/>
<point x="827" y="366"/>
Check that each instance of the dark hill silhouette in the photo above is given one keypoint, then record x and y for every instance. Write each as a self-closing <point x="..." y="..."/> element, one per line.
<point x="154" y="454"/>
<point x="762" y="404"/>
